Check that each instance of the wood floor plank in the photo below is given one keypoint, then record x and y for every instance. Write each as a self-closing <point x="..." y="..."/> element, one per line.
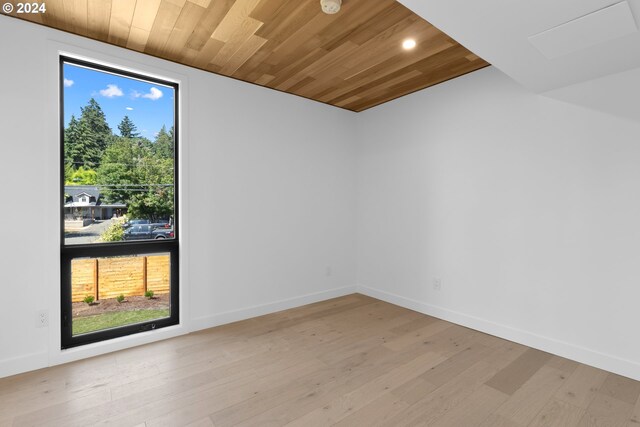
<point x="634" y="418"/>
<point x="558" y="413"/>
<point x="444" y="399"/>
<point x="478" y="406"/>
<point x="517" y="373"/>
<point x="523" y="405"/>
<point x="349" y="361"/>
<point x="495" y="420"/>
<point x="565" y="365"/>
<point x="606" y="411"/>
<point x="624" y="389"/>
<point x="581" y="387"/>
<point x="205" y="422"/>
<point x="375" y="413"/>
<point x="342" y="406"/>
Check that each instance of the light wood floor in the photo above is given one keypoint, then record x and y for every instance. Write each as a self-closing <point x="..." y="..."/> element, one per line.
<point x="350" y="361"/>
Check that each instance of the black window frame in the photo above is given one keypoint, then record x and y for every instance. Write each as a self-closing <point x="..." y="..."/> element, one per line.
<point x="112" y="249"/>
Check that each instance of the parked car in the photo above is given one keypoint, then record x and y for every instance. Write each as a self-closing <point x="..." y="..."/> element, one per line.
<point x="163" y="233"/>
<point x="161" y="224"/>
<point x="147" y="232"/>
<point x="133" y="222"/>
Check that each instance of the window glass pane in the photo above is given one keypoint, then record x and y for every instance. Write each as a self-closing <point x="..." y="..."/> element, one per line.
<point x="119" y="157"/>
<point x="118" y="291"/>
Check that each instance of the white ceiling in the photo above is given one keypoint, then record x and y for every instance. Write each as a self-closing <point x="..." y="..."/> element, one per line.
<point x="499" y="32"/>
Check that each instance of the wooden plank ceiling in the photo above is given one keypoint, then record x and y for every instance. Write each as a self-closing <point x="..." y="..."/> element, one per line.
<point x="353" y="59"/>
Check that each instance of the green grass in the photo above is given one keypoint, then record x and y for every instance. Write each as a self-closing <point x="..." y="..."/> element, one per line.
<point x="83" y="325"/>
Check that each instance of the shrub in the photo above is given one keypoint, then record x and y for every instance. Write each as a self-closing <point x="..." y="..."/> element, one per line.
<point x="120" y="298"/>
<point x="114" y="233"/>
<point x="89" y="299"/>
<point x="149" y="294"/>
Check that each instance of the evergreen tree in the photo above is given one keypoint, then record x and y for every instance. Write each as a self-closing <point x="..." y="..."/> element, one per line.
<point x="128" y="128"/>
<point x="80" y="144"/>
<point x="96" y="121"/>
<point x="163" y="145"/>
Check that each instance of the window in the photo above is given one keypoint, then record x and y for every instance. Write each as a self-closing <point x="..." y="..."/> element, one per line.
<point x="119" y="210"/>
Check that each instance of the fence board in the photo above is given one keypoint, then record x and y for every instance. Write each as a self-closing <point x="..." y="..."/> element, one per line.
<point x="120" y="275"/>
<point x="82" y="279"/>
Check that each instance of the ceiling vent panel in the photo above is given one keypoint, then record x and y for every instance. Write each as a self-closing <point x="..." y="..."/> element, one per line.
<point x="595" y="28"/>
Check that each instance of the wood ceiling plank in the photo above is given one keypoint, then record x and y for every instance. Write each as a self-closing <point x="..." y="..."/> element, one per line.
<point x="389" y="68"/>
<point x="383" y="45"/>
<point x="163" y="24"/>
<point x="98" y="19"/>
<point x="54" y="17"/>
<point x="330" y="59"/>
<point x="256" y="66"/>
<point x="201" y="3"/>
<point x="245" y="51"/>
<point x="244" y="31"/>
<point x="397" y="62"/>
<point x="189" y="55"/>
<point x="288" y="20"/>
<point x="381" y="23"/>
<point x="203" y="30"/>
<point x="346" y="23"/>
<point x="238" y="13"/>
<point x="75" y="12"/>
<point x="304" y="39"/>
<point x="137" y="39"/>
<point x="266" y="10"/>
<point x="301" y="84"/>
<point x="143" y="17"/>
<point x="352" y="60"/>
<point x="291" y="80"/>
<point x="182" y="30"/>
<point x="389" y="83"/>
<point x="208" y="52"/>
<point x="179" y="3"/>
<point x="405" y="88"/>
<point x="120" y="22"/>
<point x="264" y="79"/>
<point x="353" y="99"/>
<point x="294" y="68"/>
<point x="329" y="68"/>
<point x="384" y="86"/>
<point x="145" y="13"/>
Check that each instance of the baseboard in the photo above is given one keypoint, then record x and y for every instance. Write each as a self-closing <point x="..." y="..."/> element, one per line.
<point x="580" y="354"/>
<point x="268" y="308"/>
<point x="18" y="365"/>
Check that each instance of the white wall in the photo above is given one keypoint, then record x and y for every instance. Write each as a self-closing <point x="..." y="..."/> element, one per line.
<point x="527" y="209"/>
<point x="269" y="198"/>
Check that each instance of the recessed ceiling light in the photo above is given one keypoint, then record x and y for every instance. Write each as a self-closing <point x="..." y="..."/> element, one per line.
<point x="331" y="7"/>
<point x="408" y="44"/>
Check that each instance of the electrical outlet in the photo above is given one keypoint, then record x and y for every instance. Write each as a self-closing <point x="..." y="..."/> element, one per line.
<point x="437" y="284"/>
<point x="329" y="272"/>
<point x="42" y="319"/>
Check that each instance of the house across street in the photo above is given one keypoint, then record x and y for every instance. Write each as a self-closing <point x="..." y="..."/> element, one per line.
<point x="85" y="202"/>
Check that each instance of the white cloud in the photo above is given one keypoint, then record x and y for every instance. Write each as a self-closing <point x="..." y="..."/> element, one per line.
<point x="154" y="94"/>
<point x="68" y="83"/>
<point x="129" y="108"/>
<point x="111" y="91"/>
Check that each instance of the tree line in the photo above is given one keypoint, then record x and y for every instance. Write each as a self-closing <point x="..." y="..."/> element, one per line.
<point x="128" y="168"/>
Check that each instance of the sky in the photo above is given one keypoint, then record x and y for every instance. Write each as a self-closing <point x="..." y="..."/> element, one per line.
<point x="148" y="105"/>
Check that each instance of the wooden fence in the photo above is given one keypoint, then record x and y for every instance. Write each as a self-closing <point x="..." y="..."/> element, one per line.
<point x="129" y="276"/>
